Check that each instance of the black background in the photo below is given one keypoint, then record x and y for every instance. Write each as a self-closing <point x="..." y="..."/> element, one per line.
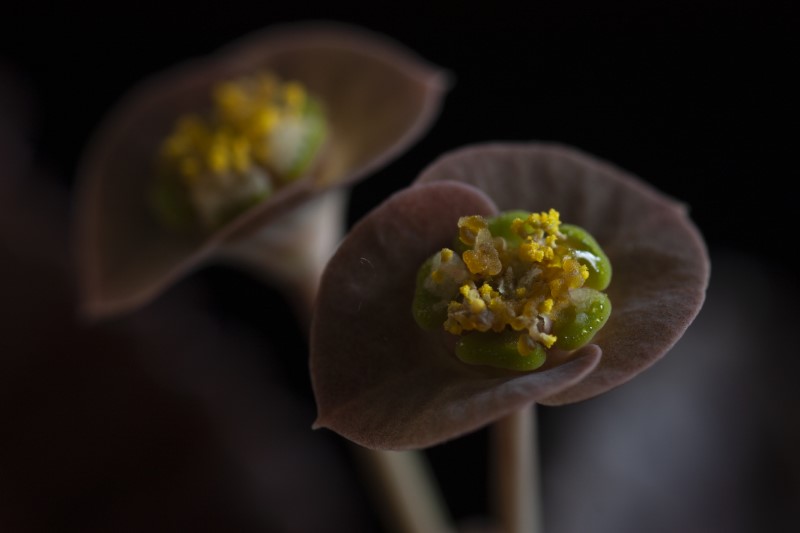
<point x="697" y="98"/>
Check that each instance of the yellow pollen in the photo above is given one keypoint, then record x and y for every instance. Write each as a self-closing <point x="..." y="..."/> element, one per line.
<point x="264" y="121"/>
<point x="522" y="289"/>
<point x="234" y="136"/>
<point x="547" y="339"/>
<point x="294" y="95"/>
<point x="476" y="305"/>
<point x="218" y="157"/>
<point x="484" y="257"/>
<point x="486" y="290"/>
<point x="469" y="227"/>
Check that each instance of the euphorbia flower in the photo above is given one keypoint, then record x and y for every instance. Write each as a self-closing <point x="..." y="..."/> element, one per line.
<point x="383" y="382"/>
<point x="378" y="98"/>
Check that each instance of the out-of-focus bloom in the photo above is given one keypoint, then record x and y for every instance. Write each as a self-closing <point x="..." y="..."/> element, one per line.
<point x="383" y="382"/>
<point x="378" y="98"/>
<point x="181" y="433"/>
<point x="261" y="134"/>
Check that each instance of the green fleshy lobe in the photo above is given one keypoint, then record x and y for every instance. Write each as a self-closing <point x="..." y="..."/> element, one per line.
<point x="589" y="253"/>
<point x="498" y="350"/>
<point x="577" y="324"/>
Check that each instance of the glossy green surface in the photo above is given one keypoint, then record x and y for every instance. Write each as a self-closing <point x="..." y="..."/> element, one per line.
<point x="576" y="325"/>
<point x="589" y="253"/>
<point x="498" y="350"/>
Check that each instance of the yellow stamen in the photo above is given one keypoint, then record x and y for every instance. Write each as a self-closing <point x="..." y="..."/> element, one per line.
<point x="260" y="132"/>
<point x="521" y="289"/>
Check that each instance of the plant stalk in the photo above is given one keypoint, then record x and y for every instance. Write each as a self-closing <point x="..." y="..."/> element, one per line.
<point x="516" y="472"/>
<point x="292" y="252"/>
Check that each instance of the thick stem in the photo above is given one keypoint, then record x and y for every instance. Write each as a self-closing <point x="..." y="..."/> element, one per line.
<point x="406" y="495"/>
<point x="515" y="468"/>
<point x="292" y="253"/>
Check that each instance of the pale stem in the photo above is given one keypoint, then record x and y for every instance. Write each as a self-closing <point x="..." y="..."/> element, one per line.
<point x="515" y="472"/>
<point x="291" y="253"/>
<point x="406" y="494"/>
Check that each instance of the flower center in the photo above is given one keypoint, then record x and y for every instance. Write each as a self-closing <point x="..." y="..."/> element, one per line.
<point x="260" y="134"/>
<point x="518" y="272"/>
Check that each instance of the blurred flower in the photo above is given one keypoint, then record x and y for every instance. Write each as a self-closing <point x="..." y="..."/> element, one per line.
<point x="383" y="382"/>
<point x="186" y="440"/>
<point x="379" y="98"/>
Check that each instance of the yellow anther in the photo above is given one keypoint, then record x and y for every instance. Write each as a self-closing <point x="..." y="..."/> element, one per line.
<point x="240" y="154"/>
<point x="484" y="258"/>
<point x="557" y="287"/>
<point x="546" y="306"/>
<point x="547" y="339"/>
<point x="264" y="121"/>
<point x="218" y="158"/>
<point x="469" y="227"/>
<point x="437" y="276"/>
<point x="295" y="96"/>
<point x="231" y="100"/>
<point x="520" y="292"/>
<point x="446" y="255"/>
<point x="497" y="305"/>
<point x="485" y="290"/>
<point x="476" y="305"/>
<point x="532" y="251"/>
<point x="573" y="272"/>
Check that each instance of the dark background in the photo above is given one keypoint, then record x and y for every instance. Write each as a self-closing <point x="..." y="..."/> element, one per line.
<point x="693" y="96"/>
<point x="696" y="98"/>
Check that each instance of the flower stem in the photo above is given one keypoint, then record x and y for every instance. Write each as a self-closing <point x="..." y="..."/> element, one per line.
<point x="515" y="468"/>
<point x="407" y="497"/>
<point x="292" y="253"/>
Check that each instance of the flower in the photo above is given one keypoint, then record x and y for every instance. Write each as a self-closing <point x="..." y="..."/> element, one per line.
<point x="379" y="98"/>
<point x="382" y="382"/>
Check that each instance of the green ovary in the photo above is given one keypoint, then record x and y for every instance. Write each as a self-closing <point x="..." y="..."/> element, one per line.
<point x="500" y="349"/>
<point x="513" y="287"/>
